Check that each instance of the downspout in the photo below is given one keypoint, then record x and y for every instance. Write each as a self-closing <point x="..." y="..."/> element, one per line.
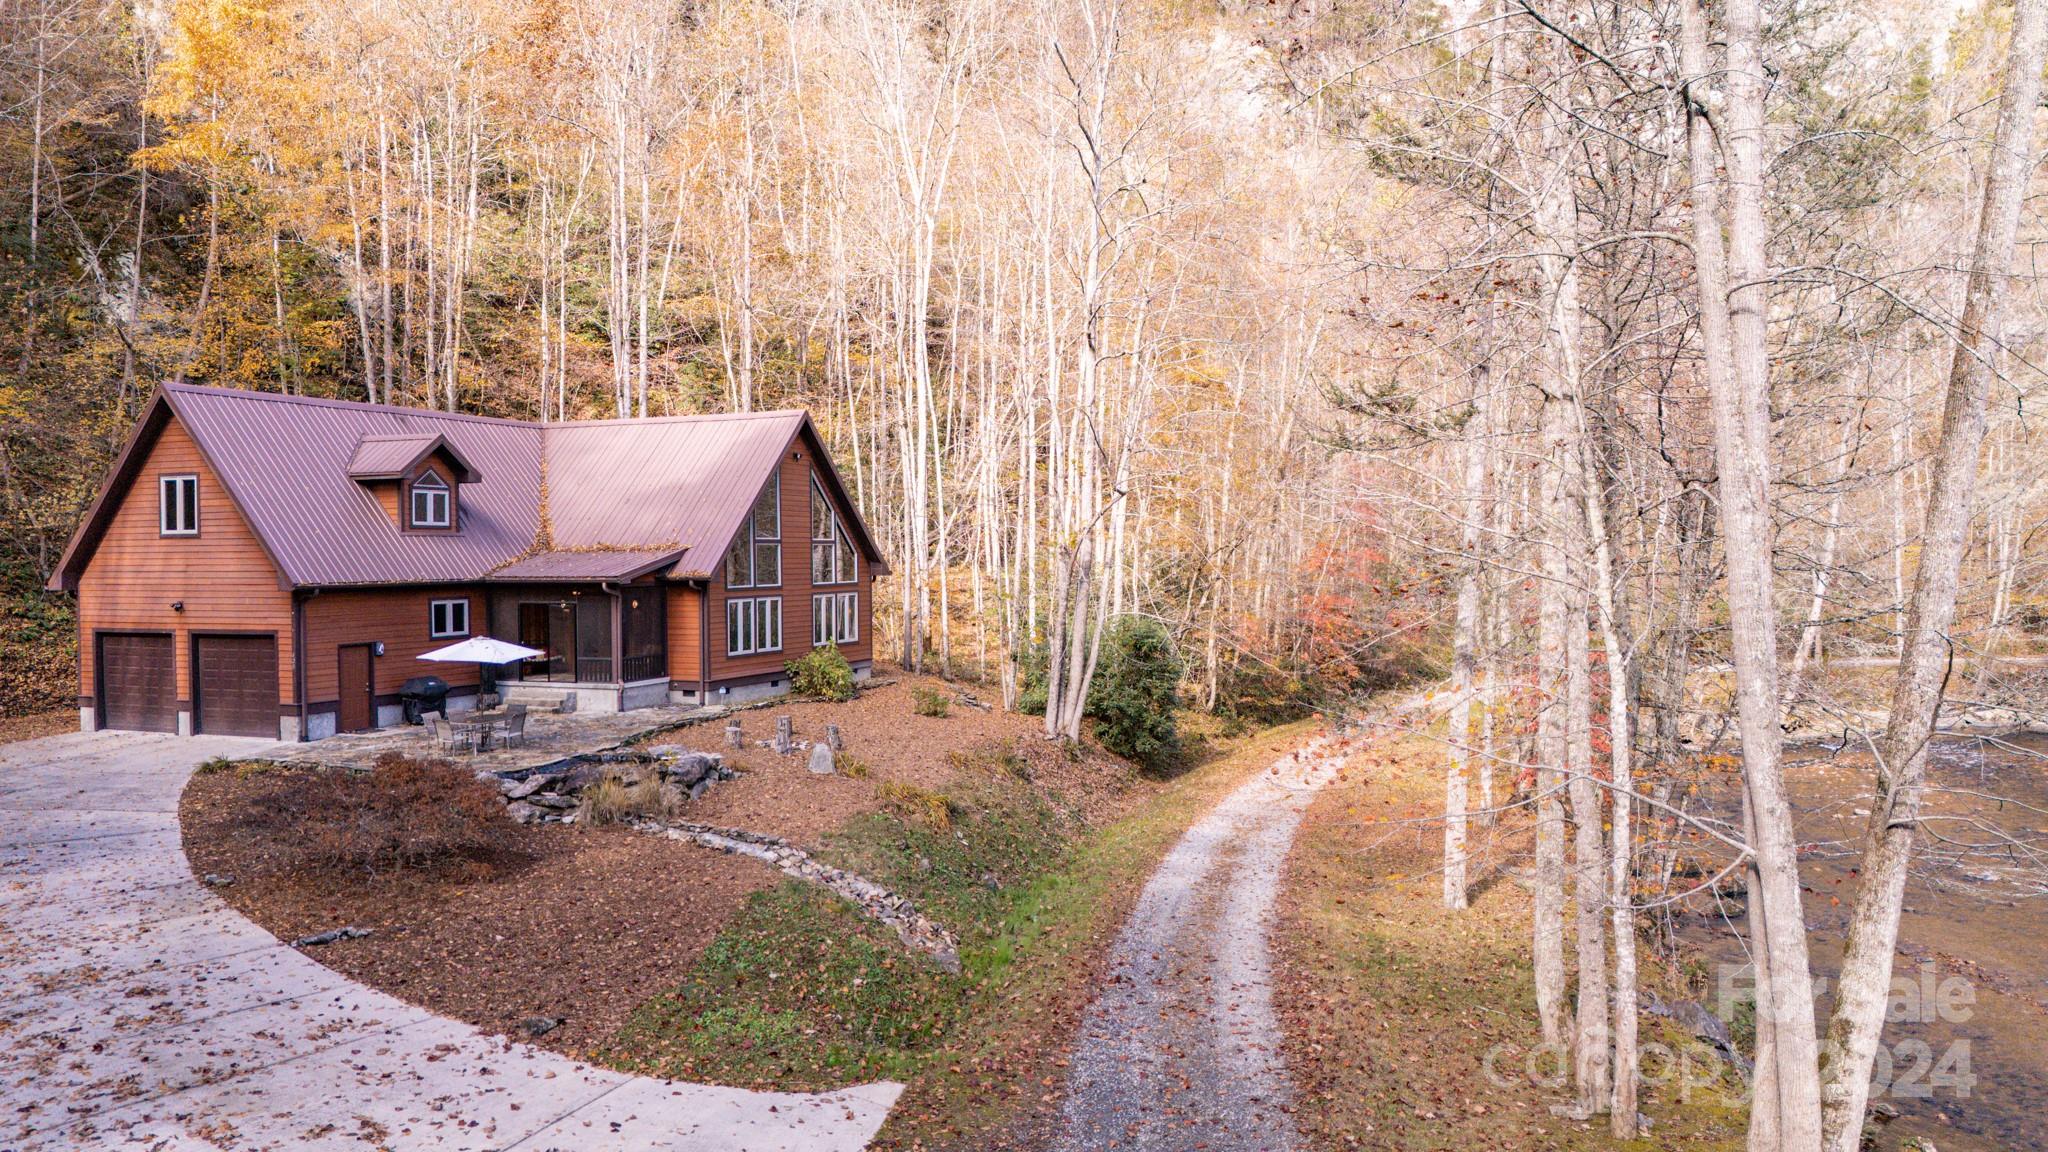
<point x="299" y="602"/>
<point x="704" y="645"/>
<point x="618" y="641"/>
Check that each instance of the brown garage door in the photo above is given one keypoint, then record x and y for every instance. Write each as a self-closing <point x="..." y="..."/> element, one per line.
<point x="138" y="682"/>
<point x="235" y="678"/>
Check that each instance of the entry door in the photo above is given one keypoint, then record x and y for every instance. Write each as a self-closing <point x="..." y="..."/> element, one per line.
<point x="358" y="690"/>
<point x="235" y="682"/>
<point x="550" y="627"/>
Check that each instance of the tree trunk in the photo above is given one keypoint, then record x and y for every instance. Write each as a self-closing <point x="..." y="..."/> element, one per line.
<point x="1858" y="1019"/>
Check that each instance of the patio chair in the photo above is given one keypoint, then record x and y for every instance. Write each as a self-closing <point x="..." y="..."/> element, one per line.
<point x="513" y="731"/>
<point x="448" y="737"/>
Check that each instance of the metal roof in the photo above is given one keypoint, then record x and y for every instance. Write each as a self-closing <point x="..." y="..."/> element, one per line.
<point x="625" y="497"/>
<point x="608" y="564"/>
<point x="392" y="457"/>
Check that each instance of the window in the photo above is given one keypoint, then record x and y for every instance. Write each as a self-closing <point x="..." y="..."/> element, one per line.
<point x="832" y="555"/>
<point x="178" y="506"/>
<point x="447" y="618"/>
<point x="753" y="625"/>
<point x="430" y="502"/>
<point x="755" y="558"/>
<point x="835" y="618"/>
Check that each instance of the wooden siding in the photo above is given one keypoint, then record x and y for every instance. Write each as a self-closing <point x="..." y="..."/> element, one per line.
<point x="685" y="634"/>
<point x="223" y="577"/>
<point x="796" y="590"/>
<point x="396" y="616"/>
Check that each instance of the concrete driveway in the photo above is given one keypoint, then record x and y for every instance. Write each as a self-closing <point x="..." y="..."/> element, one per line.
<point x="137" y="1010"/>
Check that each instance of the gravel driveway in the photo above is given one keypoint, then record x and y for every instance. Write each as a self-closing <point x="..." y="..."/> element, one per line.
<point x="1181" y="1050"/>
<point x="136" y="1009"/>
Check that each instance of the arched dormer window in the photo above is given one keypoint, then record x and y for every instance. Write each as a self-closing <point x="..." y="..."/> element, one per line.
<point x="432" y="504"/>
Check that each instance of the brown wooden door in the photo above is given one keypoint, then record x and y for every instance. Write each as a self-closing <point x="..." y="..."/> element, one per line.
<point x="358" y="690"/>
<point x="234" y="681"/>
<point x="138" y="682"/>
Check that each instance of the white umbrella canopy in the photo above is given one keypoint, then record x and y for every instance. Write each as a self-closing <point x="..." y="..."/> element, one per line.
<point x="482" y="650"/>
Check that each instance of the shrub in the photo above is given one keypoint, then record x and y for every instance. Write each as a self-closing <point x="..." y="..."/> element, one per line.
<point x="821" y="672"/>
<point x="613" y="800"/>
<point x="929" y="701"/>
<point x="1135" y="692"/>
<point x="403" y="813"/>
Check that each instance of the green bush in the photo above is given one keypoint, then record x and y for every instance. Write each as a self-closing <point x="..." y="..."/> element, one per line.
<point x="929" y="701"/>
<point x="821" y="672"/>
<point x="1135" y="692"/>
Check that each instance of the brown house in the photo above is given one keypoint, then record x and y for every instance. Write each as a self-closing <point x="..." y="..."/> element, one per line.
<point x="274" y="566"/>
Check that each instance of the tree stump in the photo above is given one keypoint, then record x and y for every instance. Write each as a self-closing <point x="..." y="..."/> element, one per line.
<point x="833" y="739"/>
<point x="785" y="740"/>
<point x="734" y="738"/>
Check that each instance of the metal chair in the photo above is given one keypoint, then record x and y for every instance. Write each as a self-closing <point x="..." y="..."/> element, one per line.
<point x="449" y="738"/>
<point x="513" y="730"/>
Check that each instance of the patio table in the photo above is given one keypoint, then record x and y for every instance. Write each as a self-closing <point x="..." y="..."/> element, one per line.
<point x="480" y="728"/>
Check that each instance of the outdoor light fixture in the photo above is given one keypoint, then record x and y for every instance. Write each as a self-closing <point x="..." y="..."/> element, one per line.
<point x="177" y="605"/>
<point x="376" y="648"/>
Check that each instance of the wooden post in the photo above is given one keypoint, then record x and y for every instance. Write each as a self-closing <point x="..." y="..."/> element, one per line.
<point x="784" y="738"/>
<point x="734" y="738"/>
<point x="833" y="739"/>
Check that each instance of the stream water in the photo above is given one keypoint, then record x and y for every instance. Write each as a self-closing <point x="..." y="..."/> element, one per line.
<point x="1966" y="1049"/>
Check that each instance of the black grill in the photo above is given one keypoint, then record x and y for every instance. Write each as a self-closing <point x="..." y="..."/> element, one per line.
<point x="421" y="695"/>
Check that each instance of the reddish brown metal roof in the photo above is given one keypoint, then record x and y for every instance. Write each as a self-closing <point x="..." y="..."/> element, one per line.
<point x="687" y="480"/>
<point x="622" y="564"/>
<point x="625" y="496"/>
<point x="392" y="457"/>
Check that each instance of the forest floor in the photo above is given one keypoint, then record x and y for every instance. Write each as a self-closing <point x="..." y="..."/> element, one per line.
<point x="1408" y="1027"/>
<point x="37" y="725"/>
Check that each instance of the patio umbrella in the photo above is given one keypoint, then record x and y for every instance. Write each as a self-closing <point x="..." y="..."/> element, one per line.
<point x="482" y="651"/>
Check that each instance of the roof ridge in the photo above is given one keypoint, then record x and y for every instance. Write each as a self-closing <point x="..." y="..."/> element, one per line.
<point x="438" y="414"/>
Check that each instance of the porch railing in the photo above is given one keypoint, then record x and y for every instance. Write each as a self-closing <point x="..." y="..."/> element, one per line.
<point x="644" y="667"/>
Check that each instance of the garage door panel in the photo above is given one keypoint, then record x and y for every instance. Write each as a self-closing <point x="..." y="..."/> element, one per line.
<point x="235" y="683"/>
<point x="138" y="682"/>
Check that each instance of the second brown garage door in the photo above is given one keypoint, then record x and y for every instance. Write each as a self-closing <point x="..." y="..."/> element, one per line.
<point x="138" y="682"/>
<point x="235" y="682"/>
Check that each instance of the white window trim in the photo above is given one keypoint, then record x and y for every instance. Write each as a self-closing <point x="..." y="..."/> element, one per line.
<point x="434" y="608"/>
<point x="838" y="537"/>
<point x="753" y="613"/>
<point x="754" y="541"/>
<point x="170" y="509"/>
<point x="847" y="616"/>
<point x="438" y="488"/>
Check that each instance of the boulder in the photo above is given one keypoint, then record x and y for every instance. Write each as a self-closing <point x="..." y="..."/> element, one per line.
<point x="523" y="812"/>
<point x="821" y="759"/>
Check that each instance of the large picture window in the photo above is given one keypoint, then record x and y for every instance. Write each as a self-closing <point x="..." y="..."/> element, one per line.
<point x="835" y="618"/>
<point x="432" y="503"/>
<point x="178" y="506"/>
<point x="753" y="625"/>
<point x="447" y="618"/>
<point x="832" y="555"/>
<point x="755" y="559"/>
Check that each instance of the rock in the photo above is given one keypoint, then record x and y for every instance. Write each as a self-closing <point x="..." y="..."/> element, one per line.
<point x="330" y="936"/>
<point x="551" y="800"/>
<point x="784" y="740"/>
<point x="521" y="789"/>
<point x="821" y="760"/>
<point x="539" y="1026"/>
<point x="217" y="880"/>
<point x="734" y="738"/>
<point x="687" y="767"/>
<point x="523" y="812"/>
<point x="699" y="788"/>
<point x="989" y="881"/>
<point x="832" y="738"/>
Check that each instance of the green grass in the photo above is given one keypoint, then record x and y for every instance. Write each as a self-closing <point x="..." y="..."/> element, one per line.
<point x="800" y="991"/>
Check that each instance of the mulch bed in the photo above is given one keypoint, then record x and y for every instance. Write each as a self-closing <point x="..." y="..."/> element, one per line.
<point x="581" y="924"/>
<point x="588" y="923"/>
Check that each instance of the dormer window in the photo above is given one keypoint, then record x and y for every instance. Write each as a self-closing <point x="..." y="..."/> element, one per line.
<point x="432" y="503"/>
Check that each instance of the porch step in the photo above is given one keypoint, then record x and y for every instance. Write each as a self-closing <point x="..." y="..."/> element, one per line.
<point x="538" y="697"/>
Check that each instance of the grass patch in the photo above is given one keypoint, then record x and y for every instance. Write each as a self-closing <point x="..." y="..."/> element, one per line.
<point x="800" y="991"/>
